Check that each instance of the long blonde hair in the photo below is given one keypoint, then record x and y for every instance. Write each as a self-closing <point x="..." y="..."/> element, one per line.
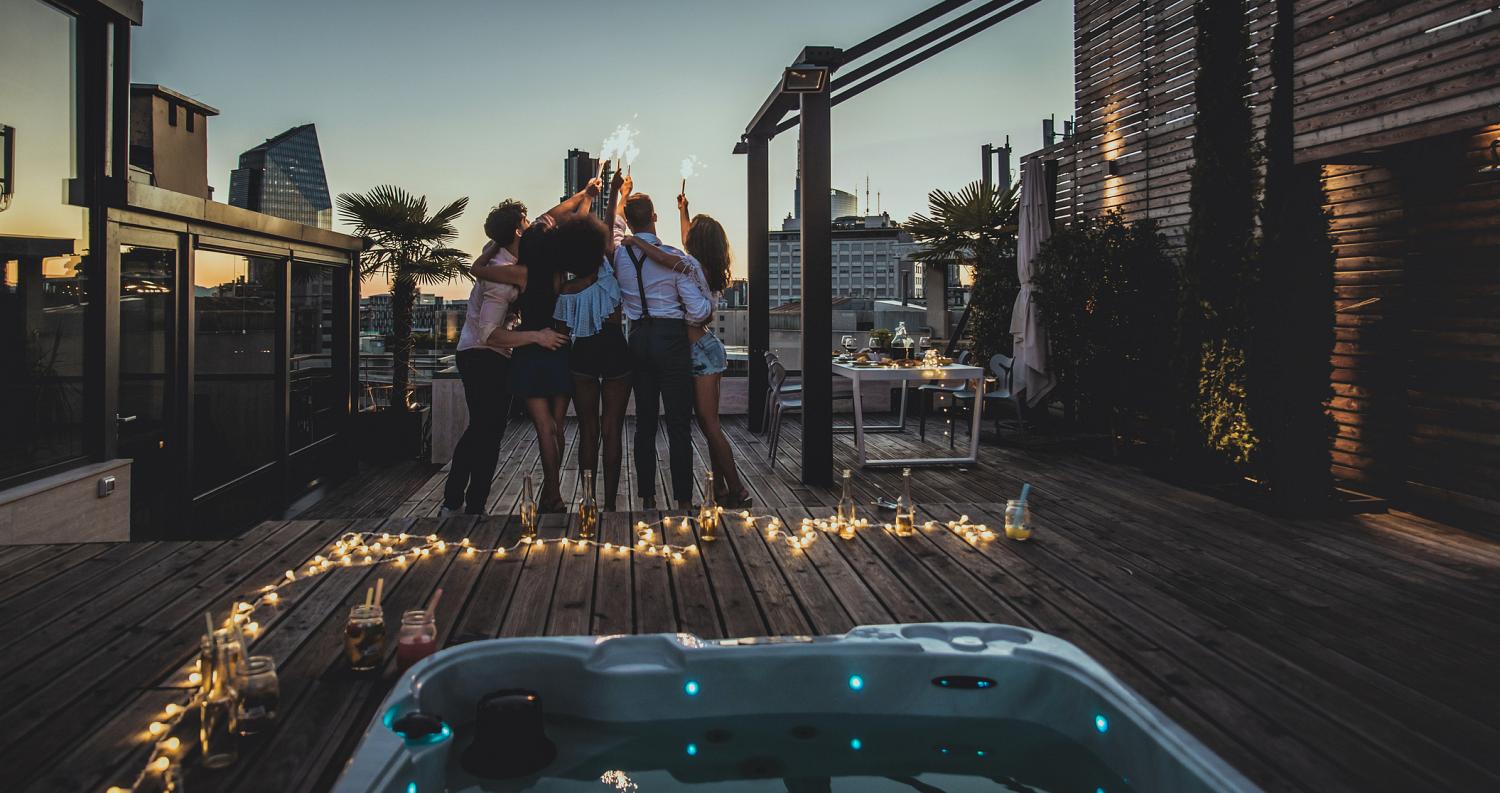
<point x="707" y="242"/>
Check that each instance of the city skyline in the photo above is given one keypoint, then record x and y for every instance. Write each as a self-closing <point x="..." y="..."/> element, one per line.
<point x="480" y="112"/>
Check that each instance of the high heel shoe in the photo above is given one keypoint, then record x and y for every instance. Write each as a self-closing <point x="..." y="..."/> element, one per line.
<point x="741" y="501"/>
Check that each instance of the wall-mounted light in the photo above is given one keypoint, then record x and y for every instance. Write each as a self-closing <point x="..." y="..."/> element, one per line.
<point x="1112" y="167"/>
<point x="804" y="78"/>
<point x="7" y="165"/>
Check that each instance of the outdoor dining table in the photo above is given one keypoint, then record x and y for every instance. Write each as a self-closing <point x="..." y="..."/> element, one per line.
<point x="876" y="373"/>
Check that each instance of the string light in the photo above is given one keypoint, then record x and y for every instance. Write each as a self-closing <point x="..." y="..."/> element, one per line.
<point x="382" y="548"/>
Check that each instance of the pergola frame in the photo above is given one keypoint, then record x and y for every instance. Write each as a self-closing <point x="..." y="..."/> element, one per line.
<point x="815" y="166"/>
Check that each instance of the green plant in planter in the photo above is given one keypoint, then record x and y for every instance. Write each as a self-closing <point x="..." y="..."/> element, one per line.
<point x="1106" y="291"/>
<point x="408" y="247"/>
<point x="882" y="337"/>
<point x="976" y="227"/>
<point x="1219" y="259"/>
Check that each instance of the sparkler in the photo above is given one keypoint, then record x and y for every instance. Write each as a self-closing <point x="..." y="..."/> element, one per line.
<point x="620" y="146"/>
<point x="690" y="167"/>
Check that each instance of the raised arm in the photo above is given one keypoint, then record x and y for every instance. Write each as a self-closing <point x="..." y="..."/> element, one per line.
<point x="579" y="203"/>
<point x="682" y="212"/>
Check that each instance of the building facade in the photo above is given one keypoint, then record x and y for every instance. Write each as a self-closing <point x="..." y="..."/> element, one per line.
<point x="169" y="140"/>
<point x="169" y="366"/>
<point x="872" y="257"/>
<point x="578" y="169"/>
<point x="284" y="177"/>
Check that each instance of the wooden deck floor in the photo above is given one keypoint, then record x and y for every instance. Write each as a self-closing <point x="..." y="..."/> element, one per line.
<point x="1349" y="654"/>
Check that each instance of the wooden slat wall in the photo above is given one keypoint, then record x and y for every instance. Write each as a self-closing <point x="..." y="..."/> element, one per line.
<point x="1134" y="70"/>
<point x="1372" y="73"/>
<point x="1393" y="96"/>
<point x="1417" y="374"/>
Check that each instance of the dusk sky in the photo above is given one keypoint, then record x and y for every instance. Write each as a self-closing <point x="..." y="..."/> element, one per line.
<point x="454" y="98"/>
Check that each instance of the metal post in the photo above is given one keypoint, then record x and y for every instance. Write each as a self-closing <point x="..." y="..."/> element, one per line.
<point x="987" y="154"/>
<point x="817" y="291"/>
<point x="757" y="249"/>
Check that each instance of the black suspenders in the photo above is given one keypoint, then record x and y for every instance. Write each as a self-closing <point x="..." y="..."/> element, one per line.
<point x="640" y="280"/>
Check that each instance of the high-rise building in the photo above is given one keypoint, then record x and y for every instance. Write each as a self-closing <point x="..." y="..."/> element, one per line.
<point x="284" y="177"/>
<point x="578" y="169"/>
<point x="872" y="257"/>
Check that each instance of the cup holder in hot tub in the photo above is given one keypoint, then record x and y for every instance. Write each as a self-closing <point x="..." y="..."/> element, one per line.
<point x="968" y="638"/>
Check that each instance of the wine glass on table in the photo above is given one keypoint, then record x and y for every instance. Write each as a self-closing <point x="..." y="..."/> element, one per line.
<point x="847" y="342"/>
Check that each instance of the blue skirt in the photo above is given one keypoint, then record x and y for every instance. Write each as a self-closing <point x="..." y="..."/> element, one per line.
<point x="538" y="372"/>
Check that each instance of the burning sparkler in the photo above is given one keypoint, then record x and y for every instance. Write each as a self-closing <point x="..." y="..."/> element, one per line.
<point x="620" y="146"/>
<point x="690" y="167"/>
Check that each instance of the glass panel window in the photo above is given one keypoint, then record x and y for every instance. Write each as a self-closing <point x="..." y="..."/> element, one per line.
<point x="234" y="380"/>
<point x="317" y="398"/>
<point x="43" y="267"/>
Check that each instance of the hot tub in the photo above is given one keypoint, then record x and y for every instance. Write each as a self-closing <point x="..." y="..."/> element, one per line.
<point x="926" y="707"/>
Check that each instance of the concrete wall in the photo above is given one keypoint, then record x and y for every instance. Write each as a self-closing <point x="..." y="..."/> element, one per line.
<point x="66" y="507"/>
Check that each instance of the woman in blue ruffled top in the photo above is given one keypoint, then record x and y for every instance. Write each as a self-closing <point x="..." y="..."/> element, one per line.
<point x="601" y="365"/>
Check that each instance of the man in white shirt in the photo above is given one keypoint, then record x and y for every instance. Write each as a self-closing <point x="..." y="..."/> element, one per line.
<point x="484" y="347"/>
<point x="660" y="304"/>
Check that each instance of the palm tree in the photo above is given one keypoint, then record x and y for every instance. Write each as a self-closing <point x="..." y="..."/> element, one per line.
<point x="408" y="248"/>
<point x="976" y="227"/>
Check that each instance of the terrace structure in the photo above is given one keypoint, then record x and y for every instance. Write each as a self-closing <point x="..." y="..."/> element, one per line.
<point x="1349" y="652"/>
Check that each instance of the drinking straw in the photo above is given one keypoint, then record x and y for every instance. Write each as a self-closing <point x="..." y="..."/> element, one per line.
<point x="432" y="604"/>
<point x="379" y="589"/>
<point x="369" y="595"/>
<point x="208" y="620"/>
<point x="1025" y="491"/>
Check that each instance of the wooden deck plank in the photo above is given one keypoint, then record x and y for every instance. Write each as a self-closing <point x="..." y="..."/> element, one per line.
<point x="1261" y="636"/>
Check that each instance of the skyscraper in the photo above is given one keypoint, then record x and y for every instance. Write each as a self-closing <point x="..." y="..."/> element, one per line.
<point x="284" y="177"/>
<point x="578" y="169"/>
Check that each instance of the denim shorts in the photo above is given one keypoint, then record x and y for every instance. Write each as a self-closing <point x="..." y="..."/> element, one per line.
<point x="708" y="356"/>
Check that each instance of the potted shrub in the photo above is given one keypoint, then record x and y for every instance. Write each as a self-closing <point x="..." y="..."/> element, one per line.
<point x="406" y="247"/>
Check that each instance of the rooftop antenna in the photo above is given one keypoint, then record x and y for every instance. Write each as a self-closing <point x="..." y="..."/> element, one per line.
<point x="877" y="203"/>
<point x="867" y="193"/>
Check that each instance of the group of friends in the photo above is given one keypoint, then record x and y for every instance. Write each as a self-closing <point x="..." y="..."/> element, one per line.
<point x="546" y="324"/>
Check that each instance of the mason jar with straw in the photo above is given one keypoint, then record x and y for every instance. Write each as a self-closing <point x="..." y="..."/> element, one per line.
<point x="364" y="633"/>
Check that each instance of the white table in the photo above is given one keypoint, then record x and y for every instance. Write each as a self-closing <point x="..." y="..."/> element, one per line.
<point x="859" y="375"/>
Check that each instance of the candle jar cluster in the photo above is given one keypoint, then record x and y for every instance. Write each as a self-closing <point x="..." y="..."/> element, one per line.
<point x="238" y="694"/>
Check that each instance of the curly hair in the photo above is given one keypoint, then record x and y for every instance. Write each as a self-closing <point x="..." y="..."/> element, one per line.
<point x="504" y="222"/>
<point x="707" y="242"/>
<point x="577" y="245"/>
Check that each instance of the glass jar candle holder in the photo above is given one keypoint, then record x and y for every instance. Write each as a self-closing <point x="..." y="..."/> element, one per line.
<point x="259" y="695"/>
<point x="416" y="639"/>
<point x="1017" y="520"/>
<point x="364" y="637"/>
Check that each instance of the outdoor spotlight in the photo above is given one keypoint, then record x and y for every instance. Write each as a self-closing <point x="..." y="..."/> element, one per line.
<point x="804" y="78"/>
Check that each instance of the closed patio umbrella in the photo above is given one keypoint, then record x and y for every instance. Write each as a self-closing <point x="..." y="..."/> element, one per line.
<point x="1031" y="376"/>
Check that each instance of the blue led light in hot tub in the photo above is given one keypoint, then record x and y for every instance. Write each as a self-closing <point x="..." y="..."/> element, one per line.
<point x="690" y="688"/>
<point x="1101" y="723"/>
<point x="411" y="787"/>
<point x="692" y="749"/>
<point x="856" y="682"/>
<point x="856" y="744"/>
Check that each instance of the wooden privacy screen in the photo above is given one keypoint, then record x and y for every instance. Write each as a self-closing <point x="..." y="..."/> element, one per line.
<point x="1394" y="98"/>
<point x="1417" y="373"/>
<point x="1375" y="73"/>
